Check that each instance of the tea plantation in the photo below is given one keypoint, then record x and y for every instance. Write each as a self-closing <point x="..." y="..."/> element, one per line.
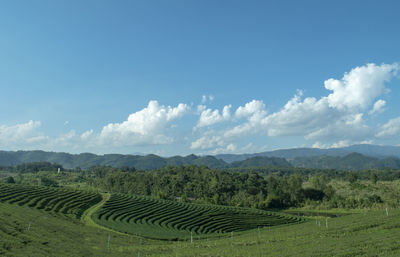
<point x="58" y="201"/>
<point x="41" y="221"/>
<point x="162" y="219"/>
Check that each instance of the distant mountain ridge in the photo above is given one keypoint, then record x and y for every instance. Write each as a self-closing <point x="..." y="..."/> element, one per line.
<point x="365" y="149"/>
<point x="147" y="162"/>
<point x="353" y="157"/>
<point x="353" y="161"/>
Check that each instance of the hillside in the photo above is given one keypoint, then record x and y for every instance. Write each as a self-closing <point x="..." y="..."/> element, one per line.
<point x="148" y="162"/>
<point x="362" y="157"/>
<point x="365" y="149"/>
<point x="86" y="160"/>
<point x="261" y="161"/>
<point x="29" y="232"/>
<point x="353" y="161"/>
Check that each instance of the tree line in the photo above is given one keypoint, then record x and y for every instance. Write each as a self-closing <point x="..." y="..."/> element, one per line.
<point x="260" y="187"/>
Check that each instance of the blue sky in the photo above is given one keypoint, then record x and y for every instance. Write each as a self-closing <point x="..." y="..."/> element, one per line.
<point x="156" y="76"/>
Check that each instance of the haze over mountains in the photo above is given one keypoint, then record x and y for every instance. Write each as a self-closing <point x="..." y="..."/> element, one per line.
<point x="365" y="149"/>
<point x="353" y="157"/>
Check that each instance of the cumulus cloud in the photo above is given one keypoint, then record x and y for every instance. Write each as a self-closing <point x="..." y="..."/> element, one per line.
<point x="69" y="140"/>
<point x="378" y="107"/>
<point x="341" y="143"/>
<point x="86" y="135"/>
<point x="254" y="112"/>
<point x="201" y="108"/>
<point x="391" y="128"/>
<point x="351" y="127"/>
<point x="250" y="109"/>
<point x="207" y="141"/>
<point x="146" y="126"/>
<point x="337" y="117"/>
<point x="300" y="117"/>
<point x="340" y="117"/>
<point x="25" y="134"/>
<point x="210" y="117"/>
<point x="359" y="87"/>
<point x="228" y="149"/>
<point x="149" y="126"/>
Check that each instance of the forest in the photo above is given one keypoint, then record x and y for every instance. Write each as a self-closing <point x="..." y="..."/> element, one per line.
<point x="260" y="187"/>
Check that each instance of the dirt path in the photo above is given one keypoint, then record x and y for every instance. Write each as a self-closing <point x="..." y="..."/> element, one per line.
<point x="87" y="215"/>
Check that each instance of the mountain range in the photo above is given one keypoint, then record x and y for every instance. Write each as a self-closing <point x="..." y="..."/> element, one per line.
<point x="289" y="154"/>
<point x="353" y="157"/>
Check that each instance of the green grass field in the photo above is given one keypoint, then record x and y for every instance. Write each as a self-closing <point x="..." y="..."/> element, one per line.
<point x="27" y="230"/>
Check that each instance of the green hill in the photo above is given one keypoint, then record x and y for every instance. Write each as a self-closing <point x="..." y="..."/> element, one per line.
<point x="87" y="160"/>
<point x="353" y="161"/>
<point x="260" y="161"/>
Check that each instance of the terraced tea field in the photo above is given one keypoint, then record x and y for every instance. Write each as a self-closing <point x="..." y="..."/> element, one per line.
<point x="58" y="201"/>
<point x="42" y="230"/>
<point x="162" y="219"/>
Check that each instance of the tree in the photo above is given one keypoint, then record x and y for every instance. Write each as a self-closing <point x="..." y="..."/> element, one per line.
<point x="10" y="180"/>
<point x="44" y="181"/>
<point x="374" y="178"/>
<point x="352" y="177"/>
<point x="319" y="181"/>
<point x="294" y="188"/>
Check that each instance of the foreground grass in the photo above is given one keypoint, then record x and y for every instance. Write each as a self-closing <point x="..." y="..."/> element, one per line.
<point x="29" y="232"/>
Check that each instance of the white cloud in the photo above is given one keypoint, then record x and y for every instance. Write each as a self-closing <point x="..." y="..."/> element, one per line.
<point x="201" y="108"/>
<point x="210" y="117"/>
<point x="300" y="117"/>
<point x="21" y="135"/>
<point x="228" y="149"/>
<point x="207" y="141"/>
<point x="338" y="116"/>
<point x="146" y="126"/>
<point x="86" y="135"/>
<point x="254" y="112"/>
<point x="69" y="140"/>
<point x="350" y="127"/>
<point x="359" y="87"/>
<point x="205" y="98"/>
<point x="378" y="107"/>
<point x="391" y="128"/>
<point x="255" y="107"/>
<point x="341" y="143"/>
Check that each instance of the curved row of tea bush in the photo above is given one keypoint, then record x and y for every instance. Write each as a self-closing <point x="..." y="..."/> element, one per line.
<point x="165" y="219"/>
<point x="60" y="201"/>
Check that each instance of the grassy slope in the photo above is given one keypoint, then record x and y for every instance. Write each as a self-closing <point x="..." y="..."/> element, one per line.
<point x="364" y="234"/>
